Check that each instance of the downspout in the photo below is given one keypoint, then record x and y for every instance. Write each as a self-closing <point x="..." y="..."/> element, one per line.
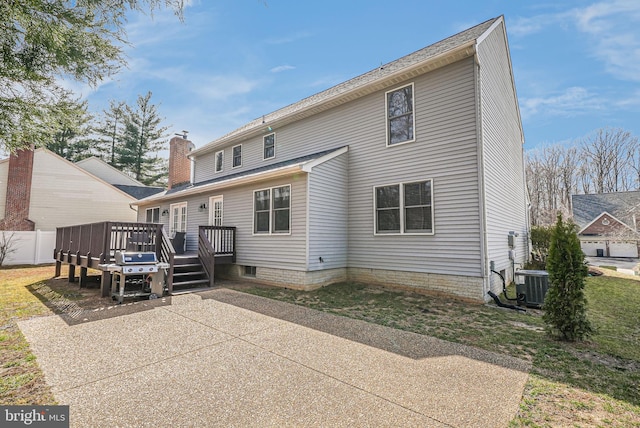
<point x="484" y="248"/>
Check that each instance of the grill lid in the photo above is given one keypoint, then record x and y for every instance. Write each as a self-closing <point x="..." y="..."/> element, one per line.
<point x="124" y="258"/>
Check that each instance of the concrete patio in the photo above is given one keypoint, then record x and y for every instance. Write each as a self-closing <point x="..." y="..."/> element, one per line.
<point x="225" y="358"/>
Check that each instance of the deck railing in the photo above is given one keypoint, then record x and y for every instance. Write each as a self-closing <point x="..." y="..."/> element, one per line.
<point x="96" y="243"/>
<point x="222" y="239"/>
<point x="167" y="255"/>
<point x="206" y="254"/>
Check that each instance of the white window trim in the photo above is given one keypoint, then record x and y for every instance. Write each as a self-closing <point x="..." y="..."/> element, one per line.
<point x="212" y="207"/>
<point x="215" y="162"/>
<point x="402" y="207"/>
<point x="274" y="146"/>
<point x="386" y="114"/>
<point x="233" y="157"/>
<point x="253" y="212"/>
<point x="153" y="208"/>
<point x="186" y="218"/>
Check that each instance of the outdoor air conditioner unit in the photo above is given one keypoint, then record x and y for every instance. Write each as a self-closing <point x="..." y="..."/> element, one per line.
<point x="531" y="287"/>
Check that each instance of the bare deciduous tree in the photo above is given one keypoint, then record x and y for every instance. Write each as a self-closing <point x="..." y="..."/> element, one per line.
<point x="7" y="245"/>
<point x="608" y="160"/>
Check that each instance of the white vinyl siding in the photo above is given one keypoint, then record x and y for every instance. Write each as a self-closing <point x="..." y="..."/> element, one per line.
<point x="278" y="250"/>
<point x="445" y="151"/>
<point x="328" y="214"/>
<point x="505" y="201"/>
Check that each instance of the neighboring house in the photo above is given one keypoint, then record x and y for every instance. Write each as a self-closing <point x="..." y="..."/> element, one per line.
<point x="40" y="190"/>
<point x="117" y="178"/>
<point x="607" y="223"/>
<point x="409" y="175"/>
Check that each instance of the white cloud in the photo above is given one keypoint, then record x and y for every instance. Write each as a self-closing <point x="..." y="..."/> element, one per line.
<point x="610" y="27"/>
<point x="222" y="87"/>
<point x="633" y="100"/>
<point x="572" y="102"/>
<point x="521" y="27"/>
<point x="281" y="68"/>
<point x="613" y="30"/>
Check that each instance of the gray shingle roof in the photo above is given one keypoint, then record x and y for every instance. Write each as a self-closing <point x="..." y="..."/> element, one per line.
<point x="621" y="205"/>
<point x="139" y="192"/>
<point x="461" y="39"/>
<point x="189" y="187"/>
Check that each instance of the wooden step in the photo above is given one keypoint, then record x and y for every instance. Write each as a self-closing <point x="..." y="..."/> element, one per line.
<point x="179" y="274"/>
<point x="185" y="266"/>
<point x="192" y="282"/>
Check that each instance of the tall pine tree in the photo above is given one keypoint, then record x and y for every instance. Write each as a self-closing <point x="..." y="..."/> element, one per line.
<point x="565" y="304"/>
<point x="110" y="130"/>
<point x="143" y="137"/>
<point x="72" y="127"/>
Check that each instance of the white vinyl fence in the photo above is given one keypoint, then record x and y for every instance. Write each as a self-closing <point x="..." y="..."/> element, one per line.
<point x="31" y="248"/>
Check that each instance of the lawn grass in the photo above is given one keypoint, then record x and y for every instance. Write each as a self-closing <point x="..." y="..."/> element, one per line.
<point x="21" y="380"/>
<point x="595" y="383"/>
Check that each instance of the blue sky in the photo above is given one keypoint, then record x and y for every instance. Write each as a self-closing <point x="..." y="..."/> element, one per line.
<point x="576" y="63"/>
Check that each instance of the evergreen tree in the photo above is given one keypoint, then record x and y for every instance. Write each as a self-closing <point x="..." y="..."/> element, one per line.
<point x="143" y="138"/>
<point x="70" y="137"/>
<point x="110" y="130"/>
<point x="43" y="40"/>
<point x="565" y="304"/>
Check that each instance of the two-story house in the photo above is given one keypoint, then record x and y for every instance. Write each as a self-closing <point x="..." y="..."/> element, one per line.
<point x="410" y="175"/>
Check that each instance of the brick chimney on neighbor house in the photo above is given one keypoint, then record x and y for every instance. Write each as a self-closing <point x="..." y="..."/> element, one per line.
<point x="179" y="162"/>
<point x="18" y="197"/>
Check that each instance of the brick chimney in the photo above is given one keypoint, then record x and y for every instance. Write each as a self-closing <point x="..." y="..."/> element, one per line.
<point x="18" y="198"/>
<point x="179" y="163"/>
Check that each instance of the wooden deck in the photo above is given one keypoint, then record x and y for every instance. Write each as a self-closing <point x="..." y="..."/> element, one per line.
<point x="94" y="246"/>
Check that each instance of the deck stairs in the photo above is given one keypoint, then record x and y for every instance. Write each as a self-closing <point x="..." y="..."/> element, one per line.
<point x="188" y="274"/>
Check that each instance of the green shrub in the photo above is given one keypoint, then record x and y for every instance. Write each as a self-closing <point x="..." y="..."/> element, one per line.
<point x="540" y="243"/>
<point x="565" y="304"/>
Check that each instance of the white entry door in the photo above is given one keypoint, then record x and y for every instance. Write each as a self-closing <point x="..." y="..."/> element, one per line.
<point x="215" y="211"/>
<point x="178" y="219"/>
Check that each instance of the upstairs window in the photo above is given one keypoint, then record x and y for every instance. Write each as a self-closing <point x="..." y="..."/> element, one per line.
<point x="272" y="210"/>
<point x="399" y="107"/>
<point x="404" y="208"/>
<point x="219" y="161"/>
<point x="269" y="146"/>
<point x="237" y="156"/>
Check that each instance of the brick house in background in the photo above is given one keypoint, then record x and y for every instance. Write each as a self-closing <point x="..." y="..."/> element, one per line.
<point x="608" y="223"/>
<point x="41" y="190"/>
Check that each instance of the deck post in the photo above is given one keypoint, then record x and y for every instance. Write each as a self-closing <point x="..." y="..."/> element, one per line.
<point x="105" y="283"/>
<point x="58" y="268"/>
<point x="72" y="273"/>
<point x="83" y="276"/>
